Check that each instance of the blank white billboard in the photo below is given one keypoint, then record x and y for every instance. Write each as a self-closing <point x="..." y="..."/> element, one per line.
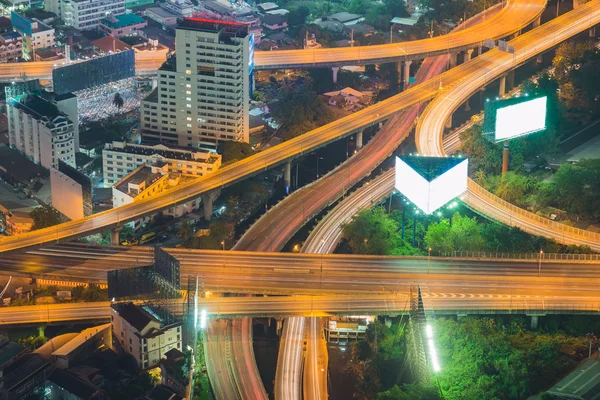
<point x="429" y="196"/>
<point x="521" y="119"/>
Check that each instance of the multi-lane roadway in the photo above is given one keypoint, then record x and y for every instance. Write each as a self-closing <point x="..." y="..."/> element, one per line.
<point x="513" y="17"/>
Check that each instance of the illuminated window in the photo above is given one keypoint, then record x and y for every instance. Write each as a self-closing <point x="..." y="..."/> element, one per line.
<point x="187" y="85"/>
<point x="188" y="72"/>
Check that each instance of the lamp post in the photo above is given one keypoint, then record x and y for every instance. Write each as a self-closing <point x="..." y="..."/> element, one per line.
<point x="318" y="158"/>
<point x="223" y="244"/>
<point x="428" y="259"/>
<point x="540" y="263"/>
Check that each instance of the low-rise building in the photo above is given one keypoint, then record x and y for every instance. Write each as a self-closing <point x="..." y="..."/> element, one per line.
<point x="347" y="18"/>
<point x="147" y="181"/>
<point x="35" y="34"/>
<point x="141" y="333"/>
<point x="274" y="22"/>
<point x="121" y="158"/>
<point x="65" y="385"/>
<point x="11" y="46"/>
<point x="180" y="8"/>
<point x="122" y="25"/>
<point x="161" y="16"/>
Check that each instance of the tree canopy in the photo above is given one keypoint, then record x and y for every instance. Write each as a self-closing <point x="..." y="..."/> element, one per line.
<point x="232" y="150"/>
<point x="44" y="217"/>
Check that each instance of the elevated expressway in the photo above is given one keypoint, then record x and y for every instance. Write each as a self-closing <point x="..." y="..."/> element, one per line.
<point x="516" y="15"/>
<point x="478" y="73"/>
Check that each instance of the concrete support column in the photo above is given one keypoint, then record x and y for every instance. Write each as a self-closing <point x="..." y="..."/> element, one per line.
<point x="515" y="35"/>
<point x="539" y="59"/>
<point x="452" y="61"/>
<point x="536" y="22"/>
<point x="114" y="236"/>
<point x="505" y="159"/>
<point x="575" y="4"/>
<point x="468" y="55"/>
<point x="287" y="174"/>
<point x="480" y="50"/>
<point x="535" y="320"/>
<point x="399" y="71"/>
<point x="592" y="32"/>
<point x="510" y="79"/>
<point x="449" y="122"/>
<point x="359" y="140"/>
<point x="502" y="89"/>
<point x="335" y="73"/>
<point x="467" y="105"/>
<point x="407" y="64"/>
<point x="207" y="201"/>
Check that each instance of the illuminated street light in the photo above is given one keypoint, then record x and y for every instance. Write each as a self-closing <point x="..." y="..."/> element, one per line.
<point x="203" y="319"/>
<point x="432" y="351"/>
<point x="540" y="262"/>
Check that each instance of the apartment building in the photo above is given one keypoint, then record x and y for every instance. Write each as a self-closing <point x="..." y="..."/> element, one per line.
<point x="37" y="128"/>
<point x="86" y="14"/>
<point x="11" y="46"/>
<point x="143" y="334"/>
<point x="35" y="34"/>
<point x="145" y="182"/>
<point x="181" y="8"/>
<point x="203" y="91"/>
<point x="121" y="158"/>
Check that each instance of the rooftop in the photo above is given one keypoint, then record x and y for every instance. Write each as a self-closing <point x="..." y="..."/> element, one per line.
<point x="272" y="19"/>
<point x="8" y="351"/>
<point x="79" y="339"/>
<point x="171" y="152"/>
<point x="121" y="21"/>
<point x="267" y="6"/>
<point x="345" y="16"/>
<point x="161" y="12"/>
<point x="73" y="384"/>
<point x="134" y="315"/>
<point x="582" y="384"/>
<point x="143" y="175"/>
<point x="26" y="366"/>
<point x="214" y="26"/>
<point x="17" y="165"/>
<point x="110" y="44"/>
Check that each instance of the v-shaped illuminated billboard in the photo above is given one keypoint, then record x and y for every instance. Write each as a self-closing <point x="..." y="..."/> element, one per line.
<point x="431" y="182"/>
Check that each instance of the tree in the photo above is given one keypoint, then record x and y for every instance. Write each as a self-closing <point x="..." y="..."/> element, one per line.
<point x="299" y="111"/>
<point x="232" y="151"/>
<point x="513" y="188"/>
<point x="185" y="233"/>
<point x="371" y="232"/>
<point x="463" y="234"/>
<point x="413" y="391"/>
<point x="32" y="343"/>
<point x="44" y="217"/>
<point x="297" y="15"/>
<point x="118" y="101"/>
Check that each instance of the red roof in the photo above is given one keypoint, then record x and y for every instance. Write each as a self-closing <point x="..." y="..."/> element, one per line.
<point x="109" y="43"/>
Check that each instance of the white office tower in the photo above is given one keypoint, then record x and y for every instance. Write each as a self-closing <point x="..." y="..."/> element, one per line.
<point x="86" y="14"/>
<point x="203" y="91"/>
<point x="52" y="6"/>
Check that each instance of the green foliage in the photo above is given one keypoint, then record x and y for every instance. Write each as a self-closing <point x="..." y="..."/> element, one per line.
<point x="32" y="343"/>
<point x="127" y="232"/>
<point x="484" y="359"/>
<point x="297" y="15"/>
<point x="185" y="233"/>
<point x="90" y="293"/>
<point x="44" y="217"/>
<point x="575" y="188"/>
<point x="513" y="188"/>
<point x="300" y="111"/>
<point x="371" y="232"/>
<point x="232" y="150"/>
<point x="463" y="234"/>
<point x="322" y="79"/>
<point x="413" y="391"/>
<point x="133" y="388"/>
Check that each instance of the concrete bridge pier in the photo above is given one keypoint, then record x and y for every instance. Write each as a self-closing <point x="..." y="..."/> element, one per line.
<point x="406" y="77"/>
<point x="335" y="71"/>
<point x="539" y="59"/>
<point x="114" y="236"/>
<point x="207" y="201"/>
<point x="575" y="4"/>
<point x="536" y="22"/>
<point x="510" y="79"/>
<point x="535" y="320"/>
<point x="467" y="105"/>
<point x="468" y="55"/>
<point x="453" y="60"/>
<point x="502" y="90"/>
<point x="287" y="174"/>
<point x="359" y="140"/>
<point x="592" y="32"/>
<point x="449" y="122"/>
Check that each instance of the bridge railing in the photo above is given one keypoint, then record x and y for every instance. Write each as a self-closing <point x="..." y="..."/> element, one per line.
<point x="523" y="256"/>
<point x="512" y="209"/>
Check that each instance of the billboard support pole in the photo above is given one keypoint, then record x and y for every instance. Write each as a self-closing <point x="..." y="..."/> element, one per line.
<point x="505" y="159"/>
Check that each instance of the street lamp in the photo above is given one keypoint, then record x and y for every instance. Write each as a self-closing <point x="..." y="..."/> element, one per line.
<point x="540" y="262"/>
<point x="428" y="259"/>
<point x="318" y="158"/>
<point x="223" y="244"/>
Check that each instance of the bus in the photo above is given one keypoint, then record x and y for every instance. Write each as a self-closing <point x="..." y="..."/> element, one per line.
<point x="147" y="237"/>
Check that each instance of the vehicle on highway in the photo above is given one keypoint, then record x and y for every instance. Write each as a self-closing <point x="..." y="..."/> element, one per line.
<point x="147" y="237"/>
<point x="130" y="242"/>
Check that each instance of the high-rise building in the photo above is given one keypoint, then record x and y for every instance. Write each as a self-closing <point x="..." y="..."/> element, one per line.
<point x="86" y="14"/>
<point x="203" y="91"/>
<point x="40" y="130"/>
